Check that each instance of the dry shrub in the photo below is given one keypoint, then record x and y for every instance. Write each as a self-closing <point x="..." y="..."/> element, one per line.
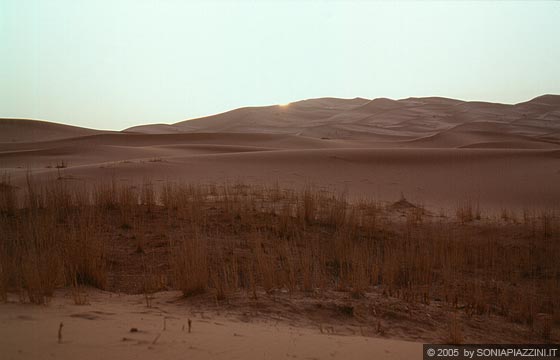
<point x="233" y="237"/>
<point x="148" y="196"/>
<point x="312" y="265"/>
<point x="79" y="294"/>
<point x="455" y="336"/>
<point x="105" y="196"/>
<point x="8" y="199"/>
<point x="84" y="250"/>
<point x="190" y="265"/>
<point x="307" y="206"/>
<point x="224" y="276"/>
<point x="546" y="330"/>
<point x="51" y="242"/>
<point x="150" y="282"/>
<point x="8" y="205"/>
<point x="316" y="240"/>
<point x="127" y="200"/>
<point x="465" y="212"/>
<point x="4" y="277"/>
<point x="264" y="263"/>
<point x="38" y="257"/>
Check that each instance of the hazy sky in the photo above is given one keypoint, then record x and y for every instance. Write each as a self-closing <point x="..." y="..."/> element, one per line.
<point x="118" y="63"/>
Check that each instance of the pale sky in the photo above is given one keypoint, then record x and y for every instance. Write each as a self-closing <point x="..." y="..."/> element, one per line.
<point x="119" y="63"/>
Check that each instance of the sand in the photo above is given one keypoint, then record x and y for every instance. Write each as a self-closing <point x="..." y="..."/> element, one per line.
<point x="436" y="151"/>
<point x="102" y="330"/>
<point x="25" y="130"/>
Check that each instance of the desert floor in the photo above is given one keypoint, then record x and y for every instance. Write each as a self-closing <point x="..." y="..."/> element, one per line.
<point x="102" y="329"/>
<point x="438" y="178"/>
<point x="436" y="151"/>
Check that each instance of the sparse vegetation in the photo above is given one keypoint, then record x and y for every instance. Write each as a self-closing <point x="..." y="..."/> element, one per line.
<point x="455" y="332"/>
<point x="8" y="199"/>
<point x="243" y="239"/>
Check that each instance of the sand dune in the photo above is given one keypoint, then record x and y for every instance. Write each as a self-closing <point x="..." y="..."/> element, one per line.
<point x="435" y="150"/>
<point x="439" y="178"/>
<point x="370" y="119"/>
<point x="477" y="133"/>
<point x="23" y="130"/>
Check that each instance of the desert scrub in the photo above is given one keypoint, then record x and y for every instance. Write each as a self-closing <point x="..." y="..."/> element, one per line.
<point x="234" y="238"/>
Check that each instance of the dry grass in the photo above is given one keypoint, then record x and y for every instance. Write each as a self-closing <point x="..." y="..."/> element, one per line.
<point x="190" y="265"/>
<point x="455" y="332"/>
<point x="468" y="211"/>
<point x="255" y="240"/>
<point x="44" y="247"/>
<point x="8" y="201"/>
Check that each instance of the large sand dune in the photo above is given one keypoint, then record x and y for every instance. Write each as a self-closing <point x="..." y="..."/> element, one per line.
<point x="374" y="119"/>
<point x="24" y="130"/>
<point x="437" y="151"/>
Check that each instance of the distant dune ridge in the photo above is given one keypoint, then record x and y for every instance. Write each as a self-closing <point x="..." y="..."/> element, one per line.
<point x="381" y="119"/>
<point x="358" y="118"/>
<point x="25" y="130"/>
<point x="435" y="150"/>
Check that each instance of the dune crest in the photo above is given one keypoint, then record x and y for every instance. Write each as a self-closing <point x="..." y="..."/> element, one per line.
<point x="436" y="150"/>
<point x="25" y="130"/>
<point x="377" y="119"/>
